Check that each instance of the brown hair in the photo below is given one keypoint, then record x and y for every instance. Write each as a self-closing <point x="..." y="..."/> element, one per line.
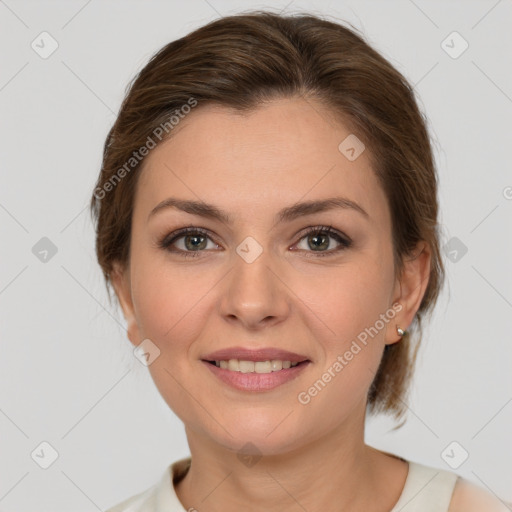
<point x="244" y="60"/>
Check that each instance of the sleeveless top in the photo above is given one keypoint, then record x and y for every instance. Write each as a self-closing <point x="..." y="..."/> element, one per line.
<point x="426" y="489"/>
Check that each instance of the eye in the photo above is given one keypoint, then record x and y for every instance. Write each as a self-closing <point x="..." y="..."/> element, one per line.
<point x="188" y="241"/>
<point x="317" y="239"/>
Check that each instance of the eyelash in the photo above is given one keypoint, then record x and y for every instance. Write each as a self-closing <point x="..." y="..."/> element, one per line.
<point x="167" y="241"/>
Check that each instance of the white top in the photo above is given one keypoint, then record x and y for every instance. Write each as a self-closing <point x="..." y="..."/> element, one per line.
<point x="426" y="489"/>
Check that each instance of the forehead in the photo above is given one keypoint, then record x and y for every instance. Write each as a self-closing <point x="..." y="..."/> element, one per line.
<point x="280" y="153"/>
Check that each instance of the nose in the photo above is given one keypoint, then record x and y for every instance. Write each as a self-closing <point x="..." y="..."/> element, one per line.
<point x="254" y="294"/>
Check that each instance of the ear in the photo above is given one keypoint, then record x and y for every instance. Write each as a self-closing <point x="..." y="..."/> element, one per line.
<point x="120" y="278"/>
<point x="409" y="290"/>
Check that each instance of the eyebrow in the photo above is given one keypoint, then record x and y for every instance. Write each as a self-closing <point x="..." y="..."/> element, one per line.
<point x="285" y="215"/>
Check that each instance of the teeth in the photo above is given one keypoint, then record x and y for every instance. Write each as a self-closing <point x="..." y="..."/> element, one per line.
<point x="246" y="366"/>
<point x="263" y="367"/>
<point x="276" y="365"/>
<point x="236" y="365"/>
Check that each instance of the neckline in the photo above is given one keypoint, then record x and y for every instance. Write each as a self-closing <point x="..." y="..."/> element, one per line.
<point x="177" y="471"/>
<point x="411" y="471"/>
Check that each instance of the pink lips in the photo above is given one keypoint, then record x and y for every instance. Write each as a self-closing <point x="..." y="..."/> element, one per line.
<point x="255" y="381"/>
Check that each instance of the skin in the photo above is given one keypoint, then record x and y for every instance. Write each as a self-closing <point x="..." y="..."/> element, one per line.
<point x="284" y="152"/>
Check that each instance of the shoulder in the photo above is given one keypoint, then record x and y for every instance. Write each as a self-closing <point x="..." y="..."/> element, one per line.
<point x="161" y="496"/>
<point x="142" y="502"/>
<point x="468" y="497"/>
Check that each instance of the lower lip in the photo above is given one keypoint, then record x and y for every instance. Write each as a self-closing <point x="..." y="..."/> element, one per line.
<point x="256" y="381"/>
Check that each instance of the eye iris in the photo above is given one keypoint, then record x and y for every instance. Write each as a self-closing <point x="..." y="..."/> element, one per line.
<point x="317" y="236"/>
<point x="195" y="245"/>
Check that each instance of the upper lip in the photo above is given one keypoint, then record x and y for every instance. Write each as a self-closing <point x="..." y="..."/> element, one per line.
<point x="261" y="354"/>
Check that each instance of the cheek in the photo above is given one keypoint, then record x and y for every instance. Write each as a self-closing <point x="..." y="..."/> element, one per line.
<point x="170" y="302"/>
<point x="171" y="308"/>
<point x="345" y="301"/>
<point x="352" y="306"/>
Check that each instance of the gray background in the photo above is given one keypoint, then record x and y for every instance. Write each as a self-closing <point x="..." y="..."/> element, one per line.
<point x="67" y="372"/>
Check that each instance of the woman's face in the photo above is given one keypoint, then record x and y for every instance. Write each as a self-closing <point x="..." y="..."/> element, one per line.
<point x="257" y="279"/>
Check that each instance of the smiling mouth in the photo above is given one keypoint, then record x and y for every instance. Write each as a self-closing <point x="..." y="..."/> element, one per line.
<point x="269" y="366"/>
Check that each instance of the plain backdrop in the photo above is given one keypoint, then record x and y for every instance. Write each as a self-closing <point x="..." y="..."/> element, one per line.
<point x="68" y="376"/>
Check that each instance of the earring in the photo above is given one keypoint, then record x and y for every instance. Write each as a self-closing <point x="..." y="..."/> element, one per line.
<point x="400" y="332"/>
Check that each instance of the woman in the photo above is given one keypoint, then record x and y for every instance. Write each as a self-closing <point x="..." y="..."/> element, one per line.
<point x="267" y="216"/>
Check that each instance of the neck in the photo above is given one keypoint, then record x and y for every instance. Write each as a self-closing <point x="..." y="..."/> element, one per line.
<point x="335" y="468"/>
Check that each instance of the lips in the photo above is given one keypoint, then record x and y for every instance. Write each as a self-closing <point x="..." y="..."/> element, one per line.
<point x="256" y="382"/>
<point x="262" y="354"/>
